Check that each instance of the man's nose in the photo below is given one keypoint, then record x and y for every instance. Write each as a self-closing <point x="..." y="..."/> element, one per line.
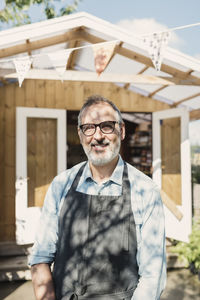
<point x="98" y="135"/>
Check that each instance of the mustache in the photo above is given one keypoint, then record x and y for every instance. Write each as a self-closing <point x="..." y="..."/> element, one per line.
<point x="100" y="142"/>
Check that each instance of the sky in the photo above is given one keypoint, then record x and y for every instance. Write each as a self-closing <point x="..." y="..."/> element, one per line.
<point x="148" y="16"/>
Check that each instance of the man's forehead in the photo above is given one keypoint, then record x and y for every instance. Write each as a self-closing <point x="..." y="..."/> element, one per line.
<point x="99" y="112"/>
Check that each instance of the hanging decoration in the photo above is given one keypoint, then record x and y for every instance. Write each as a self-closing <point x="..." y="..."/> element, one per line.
<point x="102" y="55"/>
<point x="156" y="44"/>
<point x="22" y="66"/>
<point x="59" y="60"/>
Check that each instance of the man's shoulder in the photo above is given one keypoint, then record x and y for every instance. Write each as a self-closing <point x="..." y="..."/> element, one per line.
<point x="140" y="180"/>
<point x="68" y="173"/>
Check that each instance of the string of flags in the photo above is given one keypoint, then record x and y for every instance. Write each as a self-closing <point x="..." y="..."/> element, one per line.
<point x="103" y="53"/>
<point x="155" y="43"/>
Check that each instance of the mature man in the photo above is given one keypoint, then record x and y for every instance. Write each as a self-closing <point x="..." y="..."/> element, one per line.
<point x="102" y="222"/>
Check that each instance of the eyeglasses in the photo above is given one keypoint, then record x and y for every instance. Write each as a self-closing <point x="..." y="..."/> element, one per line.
<point x="106" y="127"/>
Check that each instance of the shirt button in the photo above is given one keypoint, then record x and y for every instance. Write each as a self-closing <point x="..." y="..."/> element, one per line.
<point x="80" y="290"/>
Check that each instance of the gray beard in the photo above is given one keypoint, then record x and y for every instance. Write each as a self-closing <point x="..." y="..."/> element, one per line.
<point x="101" y="161"/>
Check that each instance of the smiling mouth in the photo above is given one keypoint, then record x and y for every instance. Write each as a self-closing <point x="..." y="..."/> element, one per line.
<point x="99" y="146"/>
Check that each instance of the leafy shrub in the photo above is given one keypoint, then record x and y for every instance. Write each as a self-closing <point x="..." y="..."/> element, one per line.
<point x="196" y="173"/>
<point x="189" y="253"/>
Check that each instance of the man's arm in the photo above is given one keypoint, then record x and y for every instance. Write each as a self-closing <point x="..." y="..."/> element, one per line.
<point x="42" y="282"/>
<point x="151" y="252"/>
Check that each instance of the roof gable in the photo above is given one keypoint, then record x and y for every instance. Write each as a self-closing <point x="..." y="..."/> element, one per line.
<point x="82" y="30"/>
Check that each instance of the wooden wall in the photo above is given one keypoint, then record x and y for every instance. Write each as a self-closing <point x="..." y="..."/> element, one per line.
<point x="48" y="94"/>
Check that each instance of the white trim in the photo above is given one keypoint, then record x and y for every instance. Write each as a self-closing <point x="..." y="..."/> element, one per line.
<point x="175" y="229"/>
<point x="26" y="217"/>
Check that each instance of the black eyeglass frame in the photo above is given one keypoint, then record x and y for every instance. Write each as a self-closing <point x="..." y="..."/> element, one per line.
<point x="100" y="126"/>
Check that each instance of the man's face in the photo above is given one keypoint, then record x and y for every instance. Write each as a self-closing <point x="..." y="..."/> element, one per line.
<point x="101" y="148"/>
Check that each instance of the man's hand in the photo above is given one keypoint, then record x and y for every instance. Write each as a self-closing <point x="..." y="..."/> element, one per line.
<point x="43" y="282"/>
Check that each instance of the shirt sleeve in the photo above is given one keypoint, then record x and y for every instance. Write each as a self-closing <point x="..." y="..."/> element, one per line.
<point x="151" y="255"/>
<point x="44" y="248"/>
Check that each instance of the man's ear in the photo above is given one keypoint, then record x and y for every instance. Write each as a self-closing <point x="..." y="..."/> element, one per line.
<point x="79" y="132"/>
<point x="122" y="131"/>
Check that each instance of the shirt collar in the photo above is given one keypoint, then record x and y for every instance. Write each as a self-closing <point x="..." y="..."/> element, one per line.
<point x="116" y="176"/>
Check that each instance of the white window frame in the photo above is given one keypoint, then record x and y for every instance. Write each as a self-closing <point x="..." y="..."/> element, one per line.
<point x="176" y="229"/>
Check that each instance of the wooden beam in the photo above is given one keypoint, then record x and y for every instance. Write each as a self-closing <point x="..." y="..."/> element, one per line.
<point x="143" y="70"/>
<point x="179" y="81"/>
<point x="87" y="76"/>
<point x="28" y="47"/>
<point x="156" y="91"/>
<point x="186" y="99"/>
<point x="34" y="45"/>
<point x="73" y="55"/>
<point x="195" y="115"/>
<point x="4" y="81"/>
<point x="171" y="205"/>
<point x="126" y="86"/>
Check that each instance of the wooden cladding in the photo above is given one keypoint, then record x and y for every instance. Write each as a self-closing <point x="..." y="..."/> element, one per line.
<point x="47" y="94"/>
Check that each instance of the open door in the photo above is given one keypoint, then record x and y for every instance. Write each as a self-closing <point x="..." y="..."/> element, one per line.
<point x="40" y="156"/>
<point x="172" y="169"/>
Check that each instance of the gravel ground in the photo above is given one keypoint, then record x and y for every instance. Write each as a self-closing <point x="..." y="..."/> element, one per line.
<point x="181" y="285"/>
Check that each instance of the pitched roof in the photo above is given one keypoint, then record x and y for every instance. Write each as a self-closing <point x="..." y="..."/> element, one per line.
<point x="177" y="83"/>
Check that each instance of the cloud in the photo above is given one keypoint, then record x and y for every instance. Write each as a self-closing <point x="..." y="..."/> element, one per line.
<point x="197" y="55"/>
<point x="194" y="132"/>
<point x="146" y="26"/>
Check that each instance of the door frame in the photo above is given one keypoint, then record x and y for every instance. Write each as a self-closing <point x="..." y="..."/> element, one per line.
<point x="176" y="229"/>
<point x="26" y="217"/>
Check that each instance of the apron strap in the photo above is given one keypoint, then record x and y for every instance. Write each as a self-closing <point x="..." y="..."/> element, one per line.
<point x="77" y="177"/>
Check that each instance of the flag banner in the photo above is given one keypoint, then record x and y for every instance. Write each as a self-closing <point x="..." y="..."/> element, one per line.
<point x="59" y="60"/>
<point x="102" y="55"/>
<point x="156" y="44"/>
<point x="22" y="66"/>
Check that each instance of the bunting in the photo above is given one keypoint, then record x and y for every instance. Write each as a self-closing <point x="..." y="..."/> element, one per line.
<point x="22" y="66"/>
<point x="156" y="44"/>
<point x="59" y="60"/>
<point x="102" y="55"/>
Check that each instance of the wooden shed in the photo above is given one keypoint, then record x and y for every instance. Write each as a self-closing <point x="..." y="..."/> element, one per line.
<point x="38" y="120"/>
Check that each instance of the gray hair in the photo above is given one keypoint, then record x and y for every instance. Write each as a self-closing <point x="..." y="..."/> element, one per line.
<point x="97" y="99"/>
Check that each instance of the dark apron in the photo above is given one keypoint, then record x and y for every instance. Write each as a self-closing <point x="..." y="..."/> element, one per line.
<point x="96" y="250"/>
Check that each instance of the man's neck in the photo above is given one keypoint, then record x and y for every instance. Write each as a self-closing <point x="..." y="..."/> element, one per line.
<point x="102" y="173"/>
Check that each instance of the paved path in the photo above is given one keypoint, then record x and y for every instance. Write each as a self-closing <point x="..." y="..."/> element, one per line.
<point x="181" y="285"/>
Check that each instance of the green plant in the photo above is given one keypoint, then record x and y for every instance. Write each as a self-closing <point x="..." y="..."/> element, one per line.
<point x="189" y="253"/>
<point x="18" y="12"/>
<point x="196" y="173"/>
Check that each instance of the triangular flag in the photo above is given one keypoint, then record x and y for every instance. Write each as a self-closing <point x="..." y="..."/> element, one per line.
<point x="59" y="60"/>
<point x="22" y="66"/>
<point x="102" y="55"/>
<point x="156" y="44"/>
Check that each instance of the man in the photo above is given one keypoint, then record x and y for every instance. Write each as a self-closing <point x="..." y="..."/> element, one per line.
<point x="102" y="222"/>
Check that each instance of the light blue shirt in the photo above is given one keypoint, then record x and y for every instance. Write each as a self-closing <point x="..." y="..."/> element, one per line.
<point x="148" y="213"/>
